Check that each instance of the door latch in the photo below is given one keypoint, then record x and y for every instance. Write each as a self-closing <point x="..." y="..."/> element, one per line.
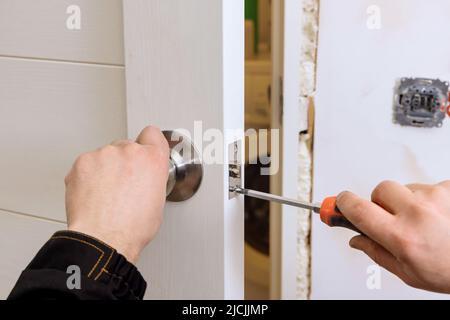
<point x="235" y="176"/>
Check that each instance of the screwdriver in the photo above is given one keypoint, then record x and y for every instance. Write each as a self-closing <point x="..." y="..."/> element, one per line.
<point x="328" y="210"/>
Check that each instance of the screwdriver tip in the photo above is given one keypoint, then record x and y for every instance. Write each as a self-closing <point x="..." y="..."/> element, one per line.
<point x="236" y="190"/>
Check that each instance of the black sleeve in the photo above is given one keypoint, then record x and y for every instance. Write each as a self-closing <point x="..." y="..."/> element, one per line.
<point x="104" y="273"/>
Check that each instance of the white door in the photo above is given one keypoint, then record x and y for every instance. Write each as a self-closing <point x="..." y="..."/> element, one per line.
<point x="185" y="64"/>
<point x="67" y="88"/>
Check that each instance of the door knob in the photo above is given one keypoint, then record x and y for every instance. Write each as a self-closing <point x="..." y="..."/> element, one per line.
<point x="185" y="167"/>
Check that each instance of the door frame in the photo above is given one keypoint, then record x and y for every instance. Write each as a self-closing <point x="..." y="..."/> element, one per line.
<point x="292" y="119"/>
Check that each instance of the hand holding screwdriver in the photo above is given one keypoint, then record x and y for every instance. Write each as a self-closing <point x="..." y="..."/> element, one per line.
<point x="407" y="231"/>
<point x="328" y="210"/>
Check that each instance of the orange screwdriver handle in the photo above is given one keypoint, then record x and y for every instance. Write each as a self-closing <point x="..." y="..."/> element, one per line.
<point x="332" y="216"/>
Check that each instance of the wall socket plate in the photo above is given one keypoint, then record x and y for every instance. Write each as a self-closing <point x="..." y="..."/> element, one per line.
<point x="421" y="102"/>
<point x="235" y="167"/>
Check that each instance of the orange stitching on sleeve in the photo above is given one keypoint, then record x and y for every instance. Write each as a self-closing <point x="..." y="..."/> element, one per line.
<point x="109" y="273"/>
<point x="89" y="244"/>
<point x="103" y="269"/>
<point x="92" y="238"/>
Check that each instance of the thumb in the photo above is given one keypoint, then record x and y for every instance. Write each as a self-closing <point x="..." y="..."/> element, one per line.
<point x="152" y="136"/>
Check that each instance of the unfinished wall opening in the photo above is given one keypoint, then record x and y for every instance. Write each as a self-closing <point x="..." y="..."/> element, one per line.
<point x="308" y="64"/>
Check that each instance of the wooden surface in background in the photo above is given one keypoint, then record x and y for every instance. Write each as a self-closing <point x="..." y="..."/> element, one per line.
<point x="38" y="29"/>
<point x="51" y="113"/>
<point x="20" y="239"/>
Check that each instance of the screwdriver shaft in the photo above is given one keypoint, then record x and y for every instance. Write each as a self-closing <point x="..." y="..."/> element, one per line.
<point x="278" y="199"/>
<point x="329" y="212"/>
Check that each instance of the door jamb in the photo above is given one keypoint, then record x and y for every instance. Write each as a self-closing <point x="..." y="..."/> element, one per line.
<point x="287" y="20"/>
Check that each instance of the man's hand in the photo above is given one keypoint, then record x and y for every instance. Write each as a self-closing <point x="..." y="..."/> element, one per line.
<point x="408" y="231"/>
<point x="117" y="194"/>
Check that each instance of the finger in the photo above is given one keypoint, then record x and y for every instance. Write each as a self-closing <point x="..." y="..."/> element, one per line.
<point x="414" y="187"/>
<point x="152" y="136"/>
<point x="369" y="218"/>
<point x="445" y="184"/>
<point x="392" y="196"/>
<point x="121" y="143"/>
<point x="381" y="256"/>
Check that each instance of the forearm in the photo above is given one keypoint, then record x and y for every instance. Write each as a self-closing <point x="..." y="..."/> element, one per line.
<point x="104" y="273"/>
<point x="115" y="194"/>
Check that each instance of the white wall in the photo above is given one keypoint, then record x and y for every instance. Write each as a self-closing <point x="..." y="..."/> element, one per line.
<point x="356" y="143"/>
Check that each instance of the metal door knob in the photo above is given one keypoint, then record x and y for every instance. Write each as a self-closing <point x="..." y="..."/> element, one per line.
<point x="185" y="168"/>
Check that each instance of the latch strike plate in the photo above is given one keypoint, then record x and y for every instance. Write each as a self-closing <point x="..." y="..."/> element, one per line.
<point x="235" y="175"/>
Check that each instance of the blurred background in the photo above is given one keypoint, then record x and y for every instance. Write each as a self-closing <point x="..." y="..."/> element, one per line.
<point x="258" y="115"/>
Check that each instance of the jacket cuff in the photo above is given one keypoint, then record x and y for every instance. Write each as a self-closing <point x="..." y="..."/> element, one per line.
<point x="97" y="261"/>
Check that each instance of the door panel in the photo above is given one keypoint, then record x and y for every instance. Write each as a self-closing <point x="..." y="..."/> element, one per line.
<point x="185" y="62"/>
<point x="38" y="29"/>
<point x="20" y="239"/>
<point x="52" y="112"/>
